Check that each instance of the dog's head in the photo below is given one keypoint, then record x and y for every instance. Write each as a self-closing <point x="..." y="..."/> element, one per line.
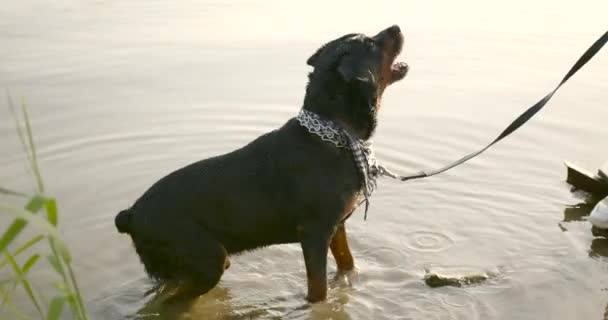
<point x="350" y="74"/>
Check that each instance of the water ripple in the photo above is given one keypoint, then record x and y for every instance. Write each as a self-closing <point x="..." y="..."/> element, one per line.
<point x="428" y="241"/>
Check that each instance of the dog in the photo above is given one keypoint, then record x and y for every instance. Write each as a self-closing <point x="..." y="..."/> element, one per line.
<point x="287" y="186"/>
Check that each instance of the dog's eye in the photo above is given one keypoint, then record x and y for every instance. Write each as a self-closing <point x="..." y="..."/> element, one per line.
<point x="370" y="42"/>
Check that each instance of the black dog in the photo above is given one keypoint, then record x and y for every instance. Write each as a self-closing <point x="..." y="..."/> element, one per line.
<point x="286" y="186"/>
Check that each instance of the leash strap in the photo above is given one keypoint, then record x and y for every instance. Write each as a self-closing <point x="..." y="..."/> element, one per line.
<point x="523" y="118"/>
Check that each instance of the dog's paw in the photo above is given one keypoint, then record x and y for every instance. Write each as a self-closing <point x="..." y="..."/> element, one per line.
<point x="346" y="278"/>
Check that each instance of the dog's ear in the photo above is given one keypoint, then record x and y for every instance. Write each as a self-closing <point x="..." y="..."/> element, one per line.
<point x="312" y="61"/>
<point x="337" y="56"/>
<point x="328" y="55"/>
<point x="352" y="70"/>
<point x="330" y="52"/>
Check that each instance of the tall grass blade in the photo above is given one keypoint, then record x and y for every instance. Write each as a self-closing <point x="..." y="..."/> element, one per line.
<point x="34" y="159"/>
<point x="6" y="294"/>
<point x="59" y="285"/>
<point x="11" y="233"/>
<point x="63" y="286"/>
<point x="78" y="295"/>
<point x="24" y="282"/>
<point x="6" y="302"/>
<point x="55" y="264"/>
<point x="74" y="297"/>
<point x="42" y="224"/>
<point x="60" y="249"/>
<point x="60" y="259"/>
<point x="30" y="263"/>
<point x="55" y="308"/>
<point x="35" y="203"/>
<point x="51" y="211"/>
<point x="17" y="226"/>
<point x="23" y="247"/>
<point x="19" y="131"/>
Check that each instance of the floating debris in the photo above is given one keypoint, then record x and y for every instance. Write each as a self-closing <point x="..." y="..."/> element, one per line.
<point x="596" y="184"/>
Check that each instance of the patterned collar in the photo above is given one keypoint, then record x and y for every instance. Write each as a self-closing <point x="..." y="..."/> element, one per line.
<point x="363" y="154"/>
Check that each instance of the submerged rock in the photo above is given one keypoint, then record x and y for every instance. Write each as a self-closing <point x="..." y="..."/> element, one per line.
<point x="599" y="215"/>
<point x="434" y="280"/>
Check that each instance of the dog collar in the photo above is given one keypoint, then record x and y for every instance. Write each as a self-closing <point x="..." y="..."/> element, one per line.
<point x="362" y="152"/>
<point x="327" y="130"/>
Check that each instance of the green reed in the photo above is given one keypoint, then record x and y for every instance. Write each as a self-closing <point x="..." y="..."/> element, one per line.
<point x="46" y="229"/>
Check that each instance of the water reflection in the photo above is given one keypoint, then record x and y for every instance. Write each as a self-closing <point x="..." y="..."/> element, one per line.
<point x="599" y="248"/>
<point x="580" y="212"/>
<point x="214" y="305"/>
<point x="220" y="304"/>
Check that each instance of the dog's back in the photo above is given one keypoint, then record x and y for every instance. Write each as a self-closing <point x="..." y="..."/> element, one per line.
<point x="242" y="200"/>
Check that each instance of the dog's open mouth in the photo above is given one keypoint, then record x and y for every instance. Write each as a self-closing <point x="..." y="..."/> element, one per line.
<point x="398" y="71"/>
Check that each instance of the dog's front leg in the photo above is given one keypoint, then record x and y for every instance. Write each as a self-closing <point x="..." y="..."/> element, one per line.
<point x="341" y="251"/>
<point x="315" y="243"/>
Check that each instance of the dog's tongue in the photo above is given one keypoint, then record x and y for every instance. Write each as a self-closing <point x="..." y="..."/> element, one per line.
<point x="398" y="71"/>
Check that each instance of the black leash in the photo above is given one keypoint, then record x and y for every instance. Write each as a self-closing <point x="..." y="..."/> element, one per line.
<point x="523" y="118"/>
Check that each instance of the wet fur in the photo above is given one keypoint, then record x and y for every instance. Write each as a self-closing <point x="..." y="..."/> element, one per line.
<point x="286" y="186"/>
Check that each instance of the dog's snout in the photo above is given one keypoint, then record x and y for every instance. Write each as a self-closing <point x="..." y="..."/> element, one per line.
<point x="393" y="32"/>
<point x="394" y="29"/>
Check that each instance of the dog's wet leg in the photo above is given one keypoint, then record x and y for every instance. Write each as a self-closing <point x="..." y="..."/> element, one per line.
<point x="315" y="245"/>
<point x="200" y="262"/>
<point x="341" y="251"/>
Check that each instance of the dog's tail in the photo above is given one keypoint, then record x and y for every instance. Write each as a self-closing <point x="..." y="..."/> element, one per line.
<point x="123" y="221"/>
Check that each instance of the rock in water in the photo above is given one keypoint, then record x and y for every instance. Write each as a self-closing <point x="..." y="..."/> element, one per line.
<point x="434" y="280"/>
<point x="599" y="214"/>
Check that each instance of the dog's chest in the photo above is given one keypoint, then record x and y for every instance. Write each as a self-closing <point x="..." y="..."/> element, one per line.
<point x="350" y="205"/>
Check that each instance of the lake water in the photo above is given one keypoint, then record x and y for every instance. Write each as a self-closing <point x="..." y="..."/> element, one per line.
<point x="122" y="92"/>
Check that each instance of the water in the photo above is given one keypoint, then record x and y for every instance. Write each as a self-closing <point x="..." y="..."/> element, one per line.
<point x="122" y="92"/>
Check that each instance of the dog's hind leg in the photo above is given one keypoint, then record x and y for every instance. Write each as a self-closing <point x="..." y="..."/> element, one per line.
<point x="199" y="261"/>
